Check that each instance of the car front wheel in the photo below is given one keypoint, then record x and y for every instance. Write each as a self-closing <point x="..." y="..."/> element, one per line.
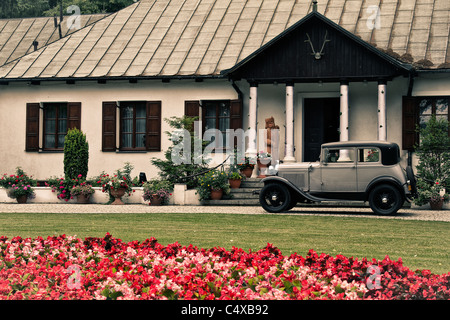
<point x="385" y="200"/>
<point x="275" y="198"/>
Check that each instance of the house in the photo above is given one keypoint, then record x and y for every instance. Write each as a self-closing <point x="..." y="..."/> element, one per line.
<point x="326" y="71"/>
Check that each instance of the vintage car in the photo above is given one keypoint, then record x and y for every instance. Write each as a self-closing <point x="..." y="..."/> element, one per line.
<point x="350" y="171"/>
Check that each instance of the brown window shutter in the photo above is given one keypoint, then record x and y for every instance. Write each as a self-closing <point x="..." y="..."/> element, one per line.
<point x="74" y="115"/>
<point x="109" y="127"/>
<point x="153" y="140"/>
<point x="32" y="128"/>
<point x="236" y="114"/>
<point x="192" y="109"/>
<point x="409" y="122"/>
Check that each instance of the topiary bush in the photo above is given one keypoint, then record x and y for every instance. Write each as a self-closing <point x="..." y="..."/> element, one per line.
<point x="76" y="154"/>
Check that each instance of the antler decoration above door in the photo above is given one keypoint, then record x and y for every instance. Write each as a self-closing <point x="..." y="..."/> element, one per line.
<point x="318" y="55"/>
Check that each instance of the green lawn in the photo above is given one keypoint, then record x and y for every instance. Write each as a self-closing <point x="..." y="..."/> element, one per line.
<point x="420" y="244"/>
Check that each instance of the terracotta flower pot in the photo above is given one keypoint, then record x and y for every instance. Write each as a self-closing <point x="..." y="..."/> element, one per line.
<point x="216" y="194"/>
<point x="247" y="171"/>
<point x="22" y="199"/>
<point x="436" y="205"/>
<point x="234" y="183"/>
<point x="156" y="200"/>
<point x="117" y="194"/>
<point x="83" y="198"/>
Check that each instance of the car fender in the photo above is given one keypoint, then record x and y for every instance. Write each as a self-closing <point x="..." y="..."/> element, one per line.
<point x="385" y="179"/>
<point x="291" y="186"/>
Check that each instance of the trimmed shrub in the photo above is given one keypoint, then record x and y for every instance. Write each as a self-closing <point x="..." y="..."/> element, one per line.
<point x="76" y="154"/>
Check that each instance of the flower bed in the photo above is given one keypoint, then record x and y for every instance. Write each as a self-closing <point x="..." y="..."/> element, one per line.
<point x="99" y="268"/>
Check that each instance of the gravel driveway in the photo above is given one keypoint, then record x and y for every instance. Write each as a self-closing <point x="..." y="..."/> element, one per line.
<point x="408" y="214"/>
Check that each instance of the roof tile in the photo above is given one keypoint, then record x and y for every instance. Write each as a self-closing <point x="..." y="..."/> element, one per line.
<point x="203" y="37"/>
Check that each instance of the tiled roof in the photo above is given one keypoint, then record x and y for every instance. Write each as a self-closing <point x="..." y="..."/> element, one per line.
<point x="17" y="35"/>
<point x="183" y="38"/>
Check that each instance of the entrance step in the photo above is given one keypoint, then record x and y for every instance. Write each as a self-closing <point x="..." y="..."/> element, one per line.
<point x="246" y="195"/>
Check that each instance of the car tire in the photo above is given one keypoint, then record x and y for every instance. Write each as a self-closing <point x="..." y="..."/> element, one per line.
<point x="385" y="200"/>
<point x="275" y="198"/>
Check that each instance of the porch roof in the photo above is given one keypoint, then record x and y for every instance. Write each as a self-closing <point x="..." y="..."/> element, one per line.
<point x="201" y="38"/>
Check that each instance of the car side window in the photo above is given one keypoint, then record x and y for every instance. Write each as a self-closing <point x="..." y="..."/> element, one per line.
<point x="340" y="155"/>
<point x="369" y="155"/>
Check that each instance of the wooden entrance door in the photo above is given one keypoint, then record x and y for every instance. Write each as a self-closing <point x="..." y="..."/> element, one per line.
<point x="321" y="125"/>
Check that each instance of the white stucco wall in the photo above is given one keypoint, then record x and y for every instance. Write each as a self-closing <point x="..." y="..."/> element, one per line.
<point x="271" y="102"/>
<point x="15" y="96"/>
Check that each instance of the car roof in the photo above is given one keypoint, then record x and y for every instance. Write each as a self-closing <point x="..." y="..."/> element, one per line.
<point x="354" y="143"/>
<point x="390" y="151"/>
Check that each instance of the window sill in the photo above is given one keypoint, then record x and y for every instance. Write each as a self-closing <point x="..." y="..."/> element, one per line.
<point x="51" y="151"/>
<point x="131" y="151"/>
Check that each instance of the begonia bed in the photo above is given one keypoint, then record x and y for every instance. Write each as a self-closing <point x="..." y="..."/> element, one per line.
<point x="66" y="267"/>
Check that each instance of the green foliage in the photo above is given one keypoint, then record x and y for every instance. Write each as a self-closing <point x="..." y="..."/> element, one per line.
<point x="434" y="160"/>
<point x="162" y="188"/>
<point x="213" y="180"/>
<point x="20" y="177"/>
<point x="18" y="184"/>
<point x="83" y="188"/>
<point x="50" y="8"/>
<point x="22" y="8"/>
<point x="178" y="173"/>
<point x="76" y="154"/>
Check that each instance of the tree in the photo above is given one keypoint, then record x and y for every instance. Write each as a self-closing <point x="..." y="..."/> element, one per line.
<point x="76" y="154"/>
<point x="89" y="7"/>
<point x="434" y="159"/>
<point x="192" y="164"/>
<point x="49" y="8"/>
<point x="22" y="8"/>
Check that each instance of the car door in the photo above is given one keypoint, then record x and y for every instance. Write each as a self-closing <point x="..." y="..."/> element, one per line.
<point x="338" y="171"/>
<point x="369" y="166"/>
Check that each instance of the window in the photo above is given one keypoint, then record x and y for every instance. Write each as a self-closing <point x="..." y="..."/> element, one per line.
<point x="432" y="106"/>
<point x="217" y="114"/>
<point x="369" y="155"/>
<point x="418" y="111"/>
<point x="55" y="125"/>
<point x="341" y="155"/>
<point x="131" y="126"/>
<point x="57" y="118"/>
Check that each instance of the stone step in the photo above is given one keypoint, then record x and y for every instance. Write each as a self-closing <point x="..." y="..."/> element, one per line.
<point x="251" y="183"/>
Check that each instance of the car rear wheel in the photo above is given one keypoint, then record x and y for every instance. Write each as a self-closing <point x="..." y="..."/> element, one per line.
<point x="275" y="198"/>
<point x="385" y="199"/>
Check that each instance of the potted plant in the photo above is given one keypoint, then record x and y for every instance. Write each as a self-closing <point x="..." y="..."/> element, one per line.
<point x="21" y="192"/>
<point x="433" y="193"/>
<point x="264" y="159"/>
<point x="246" y="166"/>
<point x="213" y="185"/>
<point x="18" y="185"/>
<point x="117" y="187"/>
<point x="157" y="192"/>
<point x="83" y="192"/>
<point x="234" y="179"/>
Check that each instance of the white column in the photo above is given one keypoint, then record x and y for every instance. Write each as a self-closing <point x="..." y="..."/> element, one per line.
<point x="382" y="126"/>
<point x="252" y="121"/>
<point x="289" y="157"/>
<point x="343" y="125"/>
